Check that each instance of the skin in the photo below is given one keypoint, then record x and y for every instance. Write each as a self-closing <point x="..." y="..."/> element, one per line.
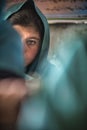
<point x="12" y="93"/>
<point x="31" y="40"/>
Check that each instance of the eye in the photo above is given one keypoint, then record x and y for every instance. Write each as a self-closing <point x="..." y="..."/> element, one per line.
<point x="31" y="42"/>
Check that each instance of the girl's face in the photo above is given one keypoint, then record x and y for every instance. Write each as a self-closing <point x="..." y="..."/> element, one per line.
<point x="31" y="40"/>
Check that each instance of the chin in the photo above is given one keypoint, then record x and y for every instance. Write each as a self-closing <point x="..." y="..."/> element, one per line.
<point x="27" y="63"/>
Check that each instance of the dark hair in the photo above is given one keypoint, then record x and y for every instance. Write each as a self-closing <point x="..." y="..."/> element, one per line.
<point x="27" y="16"/>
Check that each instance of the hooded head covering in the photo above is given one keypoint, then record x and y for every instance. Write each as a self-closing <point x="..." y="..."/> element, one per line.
<point x="2" y="3"/>
<point x="38" y="63"/>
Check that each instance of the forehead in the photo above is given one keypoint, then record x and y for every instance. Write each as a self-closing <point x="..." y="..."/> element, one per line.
<point x="25" y="32"/>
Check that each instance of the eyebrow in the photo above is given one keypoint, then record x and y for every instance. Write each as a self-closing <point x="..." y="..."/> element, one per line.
<point x="33" y="38"/>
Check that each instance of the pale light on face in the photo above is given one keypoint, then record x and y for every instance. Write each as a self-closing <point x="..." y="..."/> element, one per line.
<point x="31" y="40"/>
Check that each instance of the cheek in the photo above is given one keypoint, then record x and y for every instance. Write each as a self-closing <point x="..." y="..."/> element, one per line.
<point x="30" y="54"/>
